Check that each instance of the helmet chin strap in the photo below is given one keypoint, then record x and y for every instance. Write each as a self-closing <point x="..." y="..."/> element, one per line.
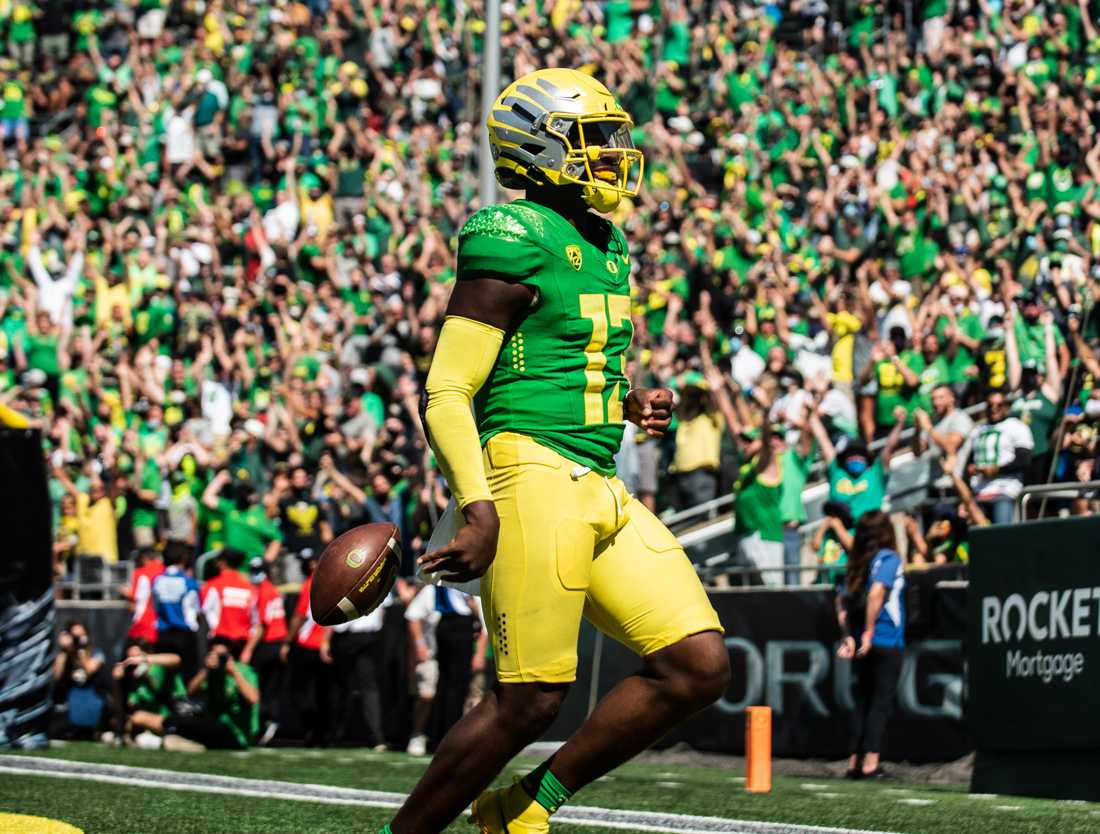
<point x="602" y="200"/>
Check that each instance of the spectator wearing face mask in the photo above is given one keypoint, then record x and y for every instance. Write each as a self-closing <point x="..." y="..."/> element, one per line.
<point x="856" y="477"/>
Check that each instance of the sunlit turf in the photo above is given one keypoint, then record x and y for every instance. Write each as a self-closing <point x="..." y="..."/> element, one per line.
<point x="886" y="806"/>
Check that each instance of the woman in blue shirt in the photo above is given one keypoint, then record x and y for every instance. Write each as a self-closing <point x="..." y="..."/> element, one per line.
<point x="871" y="612"/>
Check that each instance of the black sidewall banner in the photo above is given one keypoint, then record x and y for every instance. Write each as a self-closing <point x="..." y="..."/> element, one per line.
<point x="782" y="646"/>
<point x="1034" y="636"/>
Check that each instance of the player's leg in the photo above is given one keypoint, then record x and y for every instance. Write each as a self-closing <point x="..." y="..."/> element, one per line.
<point x="673" y="684"/>
<point x="475" y="749"/>
<point x="645" y="594"/>
<point x="533" y="598"/>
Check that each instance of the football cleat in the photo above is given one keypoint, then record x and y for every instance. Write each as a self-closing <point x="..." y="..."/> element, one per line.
<point x="509" y="810"/>
<point x="561" y="126"/>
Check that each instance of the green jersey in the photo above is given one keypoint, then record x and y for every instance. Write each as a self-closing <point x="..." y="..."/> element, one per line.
<point x="559" y="378"/>
<point x="796" y="471"/>
<point x="1039" y="414"/>
<point x="758" y="505"/>
<point x="863" y="492"/>
<point x="158" y="691"/>
<point x="249" y="530"/>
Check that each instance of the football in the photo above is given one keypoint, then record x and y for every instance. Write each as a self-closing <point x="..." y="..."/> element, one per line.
<point x="355" y="573"/>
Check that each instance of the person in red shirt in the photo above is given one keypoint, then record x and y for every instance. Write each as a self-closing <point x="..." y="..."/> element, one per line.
<point x="143" y="621"/>
<point x="310" y="668"/>
<point x="229" y="603"/>
<point x="263" y="649"/>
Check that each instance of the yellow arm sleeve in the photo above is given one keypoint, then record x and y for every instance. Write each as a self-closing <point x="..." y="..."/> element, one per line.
<point x="12" y="419"/>
<point x="464" y="357"/>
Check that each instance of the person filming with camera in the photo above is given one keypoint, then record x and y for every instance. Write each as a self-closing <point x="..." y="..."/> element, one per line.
<point x="227" y="699"/>
<point x="78" y="689"/>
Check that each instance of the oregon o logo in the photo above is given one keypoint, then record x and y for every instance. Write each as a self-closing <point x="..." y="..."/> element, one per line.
<point x="573" y="252"/>
<point x="356" y="558"/>
<point x="612" y="267"/>
<point x="35" y="825"/>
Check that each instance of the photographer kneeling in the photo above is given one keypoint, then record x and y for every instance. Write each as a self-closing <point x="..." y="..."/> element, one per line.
<point x="78" y="690"/>
<point x="144" y="682"/>
<point x="227" y="698"/>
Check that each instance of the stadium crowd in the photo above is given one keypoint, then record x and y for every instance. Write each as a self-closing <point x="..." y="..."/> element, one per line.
<point x="228" y="231"/>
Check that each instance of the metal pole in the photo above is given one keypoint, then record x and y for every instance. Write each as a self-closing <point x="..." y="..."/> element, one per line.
<point x="1067" y="390"/>
<point x="490" y="88"/>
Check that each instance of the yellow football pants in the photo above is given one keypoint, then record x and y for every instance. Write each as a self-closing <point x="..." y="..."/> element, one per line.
<point x="574" y="543"/>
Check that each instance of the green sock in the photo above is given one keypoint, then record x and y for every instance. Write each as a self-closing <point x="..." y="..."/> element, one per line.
<point x="545" y="788"/>
<point x="386" y="829"/>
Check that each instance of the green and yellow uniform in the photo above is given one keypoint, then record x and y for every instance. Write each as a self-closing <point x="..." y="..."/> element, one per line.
<point x="559" y="378"/>
<point x="550" y="420"/>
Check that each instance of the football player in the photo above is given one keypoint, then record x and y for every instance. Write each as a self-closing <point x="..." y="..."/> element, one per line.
<point x="534" y="339"/>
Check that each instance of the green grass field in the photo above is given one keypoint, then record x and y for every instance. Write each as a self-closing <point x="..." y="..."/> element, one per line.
<point x="105" y="808"/>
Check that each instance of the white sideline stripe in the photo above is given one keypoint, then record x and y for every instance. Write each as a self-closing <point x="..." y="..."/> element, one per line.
<point x="131" y="781"/>
<point x="303" y="792"/>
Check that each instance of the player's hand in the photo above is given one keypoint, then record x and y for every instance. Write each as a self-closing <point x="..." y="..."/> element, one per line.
<point x="246" y="657"/>
<point x="471" y="551"/>
<point x="284" y="652"/>
<point x="326" y="653"/>
<point x="649" y="409"/>
<point x="422" y="653"/>
<point x="847" y="648"/>
<point x="477" y="663"/>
